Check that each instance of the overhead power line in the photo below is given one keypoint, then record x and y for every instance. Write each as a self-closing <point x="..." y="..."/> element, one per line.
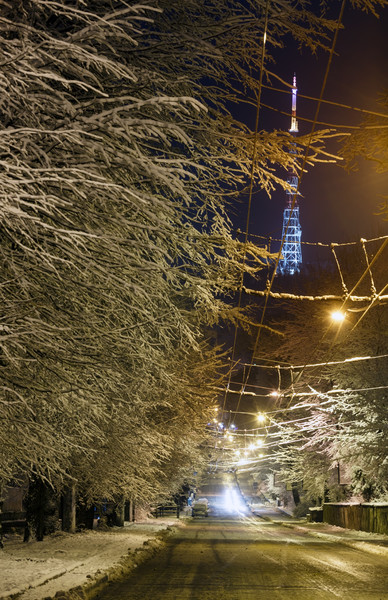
<point x="330" y="102"/>
<point x="271" y="281"/>
<point x="253" y="162"/>
<point x="324" y="123"/>
<point x="265" y="238"/>
<point x="337" y="297"/>
<point x="320" y="364"/>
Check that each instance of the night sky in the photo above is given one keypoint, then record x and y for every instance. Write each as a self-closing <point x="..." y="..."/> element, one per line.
<point x="336" y="206"/>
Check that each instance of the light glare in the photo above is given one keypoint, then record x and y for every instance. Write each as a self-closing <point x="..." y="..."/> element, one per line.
<point x="338" y="316"/>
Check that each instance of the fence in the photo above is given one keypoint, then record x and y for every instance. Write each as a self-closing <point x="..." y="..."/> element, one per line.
<point x="166" y="510"/>
<point x="362" y="517"/>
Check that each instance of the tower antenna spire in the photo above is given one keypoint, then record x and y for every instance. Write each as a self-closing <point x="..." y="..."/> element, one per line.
<point x="292" y="231"/>
<point x="294" y="92"/>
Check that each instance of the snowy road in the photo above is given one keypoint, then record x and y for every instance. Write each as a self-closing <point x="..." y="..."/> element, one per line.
<point x="232" y="555"/>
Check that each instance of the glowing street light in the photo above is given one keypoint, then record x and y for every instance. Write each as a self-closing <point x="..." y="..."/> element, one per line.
<point x="338" y="316"/>
<point x="261" y="417"/>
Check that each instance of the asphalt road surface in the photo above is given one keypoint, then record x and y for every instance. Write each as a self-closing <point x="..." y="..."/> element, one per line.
<point x="232" y="555"/>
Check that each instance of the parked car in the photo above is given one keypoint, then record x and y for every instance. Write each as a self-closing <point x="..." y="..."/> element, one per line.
<point x="200" y="508"/>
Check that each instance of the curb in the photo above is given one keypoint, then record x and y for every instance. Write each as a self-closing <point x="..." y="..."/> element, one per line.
<point x="120" y="571"/>
<point x="98" y="581"/>
<point x="365" y="546"/>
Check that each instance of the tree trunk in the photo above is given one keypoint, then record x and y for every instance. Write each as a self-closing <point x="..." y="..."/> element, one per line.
<point x="126" y="511"/>
<point x="41" y="509"/>
<point x="1" y="525"/>
<point x="131" y="510"/>
<point x="69" y="509"/>
<point x="120" y="512"/>
<point x="295" y="494"/>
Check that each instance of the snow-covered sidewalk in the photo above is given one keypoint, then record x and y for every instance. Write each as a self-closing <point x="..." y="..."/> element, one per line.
<point x="82" y="561"/>
<point x="63" y="562"/>
<point x="375" y="543"/>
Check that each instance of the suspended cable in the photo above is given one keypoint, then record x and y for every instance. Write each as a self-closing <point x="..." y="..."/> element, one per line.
<point x="372" y="283"/>
<point x="326" y="297"/>
<point x="330" y="102"/>
<point x="320" y="364"/>
<point x="267" y="294"/>
<point x="376" y="299"/>
<point x="322" y="244"/>
<point x="331" y="126"/>
<point x="344" y="288"/>
<point x="254" y="152"/>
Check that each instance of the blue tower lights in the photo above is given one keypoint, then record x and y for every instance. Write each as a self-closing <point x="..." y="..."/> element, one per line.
<point x="292" y="232"/>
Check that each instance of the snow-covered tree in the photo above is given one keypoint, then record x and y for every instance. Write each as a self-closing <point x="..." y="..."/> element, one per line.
<point x="335" y="413"/>
<point x="112" y="248"/>
<point x="117" y="154"/>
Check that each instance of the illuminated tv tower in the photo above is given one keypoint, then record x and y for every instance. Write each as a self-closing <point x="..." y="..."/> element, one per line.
<point x="292" y="231"/>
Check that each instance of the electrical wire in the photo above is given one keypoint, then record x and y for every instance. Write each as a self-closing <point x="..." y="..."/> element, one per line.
<point x="326" y="297"/>
<point x="324" y="244"/>
<point x="331" y="53"/>
<point x="349" y="296"/>
<point x="254" y="152"/>
<point x="342" y="308"/>
<point x="331" y="126"/>
<point x="320" y="364"/>
<point x="329" y="102"/>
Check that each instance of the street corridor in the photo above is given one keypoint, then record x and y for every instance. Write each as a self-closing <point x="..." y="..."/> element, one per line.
<point x="234" y="555"/>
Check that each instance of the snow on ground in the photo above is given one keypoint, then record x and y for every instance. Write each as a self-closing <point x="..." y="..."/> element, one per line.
<point x="376" y="543"/>
<point x="63" y="561"/>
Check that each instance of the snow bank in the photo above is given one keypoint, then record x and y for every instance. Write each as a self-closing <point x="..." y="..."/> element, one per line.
<point x="63" y="561"/>
<point x="374" y="543"/>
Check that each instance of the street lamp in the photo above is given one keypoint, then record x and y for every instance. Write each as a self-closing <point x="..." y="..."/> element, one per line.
<point x="338" y="316"/>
